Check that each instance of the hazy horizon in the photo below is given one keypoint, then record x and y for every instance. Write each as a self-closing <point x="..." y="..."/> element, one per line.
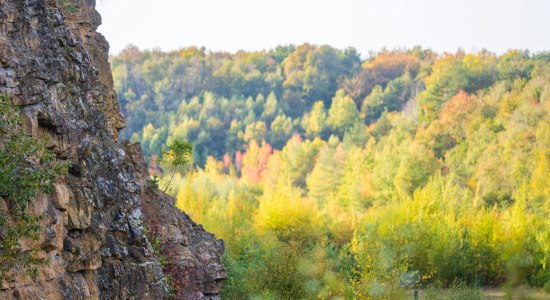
<point x="443" y="26"/>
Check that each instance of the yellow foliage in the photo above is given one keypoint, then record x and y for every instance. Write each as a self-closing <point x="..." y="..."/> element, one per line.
<point x="285" y="213"/>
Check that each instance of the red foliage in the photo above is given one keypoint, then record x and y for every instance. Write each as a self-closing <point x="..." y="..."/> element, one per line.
<point x="255" y="161"/>
<point x="154" y="167"/>
<point x="238" y="161"/>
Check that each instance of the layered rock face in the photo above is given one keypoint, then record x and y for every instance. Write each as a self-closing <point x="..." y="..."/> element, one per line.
<point x="54" y="65"/>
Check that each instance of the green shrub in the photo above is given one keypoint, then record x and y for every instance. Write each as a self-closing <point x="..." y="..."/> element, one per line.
<point x="27" y="170"/>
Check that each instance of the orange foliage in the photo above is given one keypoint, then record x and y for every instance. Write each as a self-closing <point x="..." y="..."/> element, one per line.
<point x="458" y="108"/>
<point x="390" y="65"/>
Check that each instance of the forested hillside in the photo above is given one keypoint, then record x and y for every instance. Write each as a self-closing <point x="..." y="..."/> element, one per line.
<point x="221" y="102"/>
<point x="333" y="176"/>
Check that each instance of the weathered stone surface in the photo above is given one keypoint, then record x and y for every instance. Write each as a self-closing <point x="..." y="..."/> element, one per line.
<point x="60" y="196"/>
<point x="55" y="65"/>
<point x="197" y="252"/>
<point x="79" y="210"/>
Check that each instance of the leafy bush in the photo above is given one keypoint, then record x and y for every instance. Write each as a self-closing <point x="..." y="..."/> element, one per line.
<point x="27" y="170"/>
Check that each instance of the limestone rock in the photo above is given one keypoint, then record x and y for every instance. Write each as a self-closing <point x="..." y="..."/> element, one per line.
<point x="79" y="210"/>
<point x="54" y="65"/>
<point x="60" y="196"/>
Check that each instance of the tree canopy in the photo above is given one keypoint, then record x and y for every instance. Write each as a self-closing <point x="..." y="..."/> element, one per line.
<point x="331" y="176"/>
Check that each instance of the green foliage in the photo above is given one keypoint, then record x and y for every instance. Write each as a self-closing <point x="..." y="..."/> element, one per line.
<point x="358" y="180"/>
<point x="454" y="73"/>
<point x="67" y="5"/>
<point x="314" y="123"/>
<point x="392" y="98"/>
<point x="177" y="157"/>
<point x="342" y="114"/>
<point x="218" y="100"/>
<point x="27" y="170"/>
<point x="326" y="175"/>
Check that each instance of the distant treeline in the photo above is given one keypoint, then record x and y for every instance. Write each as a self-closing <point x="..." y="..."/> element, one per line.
<point x="222" y="101"/>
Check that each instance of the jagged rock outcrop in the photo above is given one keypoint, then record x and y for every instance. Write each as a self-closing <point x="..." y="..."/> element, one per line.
<point x="194" y="252"/>
<point x="54" y="65"/>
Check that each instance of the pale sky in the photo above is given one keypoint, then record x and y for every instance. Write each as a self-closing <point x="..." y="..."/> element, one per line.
<point x="367" y="25"/>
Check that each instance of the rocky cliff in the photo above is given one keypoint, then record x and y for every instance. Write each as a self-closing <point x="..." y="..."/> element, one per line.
<point x="54" y="66"/>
